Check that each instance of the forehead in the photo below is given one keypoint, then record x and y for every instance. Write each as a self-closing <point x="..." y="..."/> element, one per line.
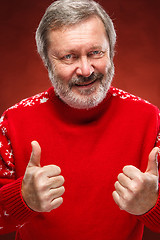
<point x="86" y="33"/>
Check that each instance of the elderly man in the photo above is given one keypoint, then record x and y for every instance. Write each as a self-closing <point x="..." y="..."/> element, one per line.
<point x="101" y="140"/>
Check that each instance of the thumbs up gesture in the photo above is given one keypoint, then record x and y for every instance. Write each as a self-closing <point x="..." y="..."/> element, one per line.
<point x="137" y="192"/>
<point x="42" y="186"/>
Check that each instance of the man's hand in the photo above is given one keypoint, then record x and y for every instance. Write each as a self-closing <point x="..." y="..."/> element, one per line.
<point x="42" y="186"/>
<point x="137" y="192"/>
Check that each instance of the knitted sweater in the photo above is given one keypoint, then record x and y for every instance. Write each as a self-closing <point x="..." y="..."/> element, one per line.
<point x="91" y="147"/>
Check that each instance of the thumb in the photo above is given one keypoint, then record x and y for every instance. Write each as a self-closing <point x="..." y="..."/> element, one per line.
<point x="35" y="155"/>
<point x="152" y="167"/>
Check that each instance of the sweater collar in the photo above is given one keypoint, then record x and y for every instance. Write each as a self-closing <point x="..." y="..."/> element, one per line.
<point x="78" y="116"/>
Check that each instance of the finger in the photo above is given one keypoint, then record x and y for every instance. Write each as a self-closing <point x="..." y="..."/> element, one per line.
<point x="57" y="192"/>
<point x="124" y="180"/>
<point x="152" y="167"/>
<point x="51" y="170"/>
<point x="56" y="203"/>
<point x="120" y="189"/>
<point x="116" y="198"/>
<point x="35" y="155"/>
<point x="131" y="172"/>
<point x="55" y="182"/>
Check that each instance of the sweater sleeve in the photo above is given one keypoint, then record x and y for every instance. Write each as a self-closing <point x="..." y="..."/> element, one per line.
<point x="13" y="210"/>
<point x="151" y="219"/>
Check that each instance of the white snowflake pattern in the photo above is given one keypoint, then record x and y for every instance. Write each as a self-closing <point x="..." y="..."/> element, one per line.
<point x="5" y="213"/>
<point x="11" y="173"/>
<point x="9" y="163"/>
<point x="28" y="102"/>
<point x="43" y="100"/>
<point x="14" y="106"/>
<point x="4" y="131"/>
<point x="0" y="167"/>
<point x="9" y="154"/>
<point x="158" y="137"/>
<point x="1" y="228"/>
<point x="5" y="174"/>
<point x="147" y="102"/>
<point x="1" y="144"/>
<point x="124" y="95"/>
<point x="8" y="173"/>
<point x="20" y="226"/>
<point x="1" y="119"/>
<point x="9" y="142"/>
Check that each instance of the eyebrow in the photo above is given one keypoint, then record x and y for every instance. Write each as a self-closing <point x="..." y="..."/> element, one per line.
<point x="74" y="50"/>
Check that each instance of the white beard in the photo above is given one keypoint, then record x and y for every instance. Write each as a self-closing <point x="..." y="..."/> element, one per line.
<point x="85" y="99"/>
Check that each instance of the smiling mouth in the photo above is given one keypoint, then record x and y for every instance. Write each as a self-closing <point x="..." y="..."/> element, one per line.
<point x="85" y="84"/>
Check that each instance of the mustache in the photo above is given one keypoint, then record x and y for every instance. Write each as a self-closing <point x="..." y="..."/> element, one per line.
<point x="80" y="80"/>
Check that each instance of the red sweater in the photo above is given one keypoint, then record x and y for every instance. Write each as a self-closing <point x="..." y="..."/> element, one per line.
<point x="91" y="147"/>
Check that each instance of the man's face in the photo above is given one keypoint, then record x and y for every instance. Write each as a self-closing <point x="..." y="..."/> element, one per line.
<point x="80" y="60"/>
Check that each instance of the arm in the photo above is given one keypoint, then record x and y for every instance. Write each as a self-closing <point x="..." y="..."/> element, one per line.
<point x="17" y="205"/>
<point x="10" y="188"/>
<point x="138" y="193"/>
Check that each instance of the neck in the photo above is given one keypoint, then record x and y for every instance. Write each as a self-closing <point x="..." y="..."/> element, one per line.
<point x="78" y="116"/>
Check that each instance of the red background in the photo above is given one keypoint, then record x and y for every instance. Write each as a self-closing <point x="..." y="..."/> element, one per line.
<point x="136" y="60"/>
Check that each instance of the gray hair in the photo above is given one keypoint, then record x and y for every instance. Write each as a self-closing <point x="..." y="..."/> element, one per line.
<point x="69" y="12"/>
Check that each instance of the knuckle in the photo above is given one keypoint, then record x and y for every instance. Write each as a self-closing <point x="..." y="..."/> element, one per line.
<point x="116" y="185"/>
<point x="38" y="174"/>
<point x="138" y="184"/>
<point x="56" y="169"/>
<point x="125" y="168"/>
<point x="41" y="200"/>
<point x="46" y="197"/>
<point x="61" y="190"/>
<point x="120" y="175"/>
<point x="134" y="187"/>
<point x="142" y="179"/>
<point x="126" y="197"/>
<point x="62" y="180"/>
<point x="41" y="186"/>
<point x="59" y="180"/>
<point x="57" y="202"/>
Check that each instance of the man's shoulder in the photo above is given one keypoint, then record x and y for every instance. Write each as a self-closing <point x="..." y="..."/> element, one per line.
<point x="121" y="94"/>
<point x="27" y="106"/>
<point x="132" y="103"/>
<point x="30" y="102"/>
<point x="128" y="97"/>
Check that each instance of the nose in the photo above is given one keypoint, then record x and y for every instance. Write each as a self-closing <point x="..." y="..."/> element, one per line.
<point x="84" y="68"/>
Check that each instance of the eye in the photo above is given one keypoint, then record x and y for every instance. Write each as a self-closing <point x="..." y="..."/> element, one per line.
<point x="68" y="56"/>
<point x="96" y="54"/>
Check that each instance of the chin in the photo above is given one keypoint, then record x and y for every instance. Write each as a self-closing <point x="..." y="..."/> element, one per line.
<point x="85" y="101"/>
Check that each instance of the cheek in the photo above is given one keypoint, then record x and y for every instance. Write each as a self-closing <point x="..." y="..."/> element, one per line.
<point x="64" y="72"/>
<point x="102" y="66"/>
